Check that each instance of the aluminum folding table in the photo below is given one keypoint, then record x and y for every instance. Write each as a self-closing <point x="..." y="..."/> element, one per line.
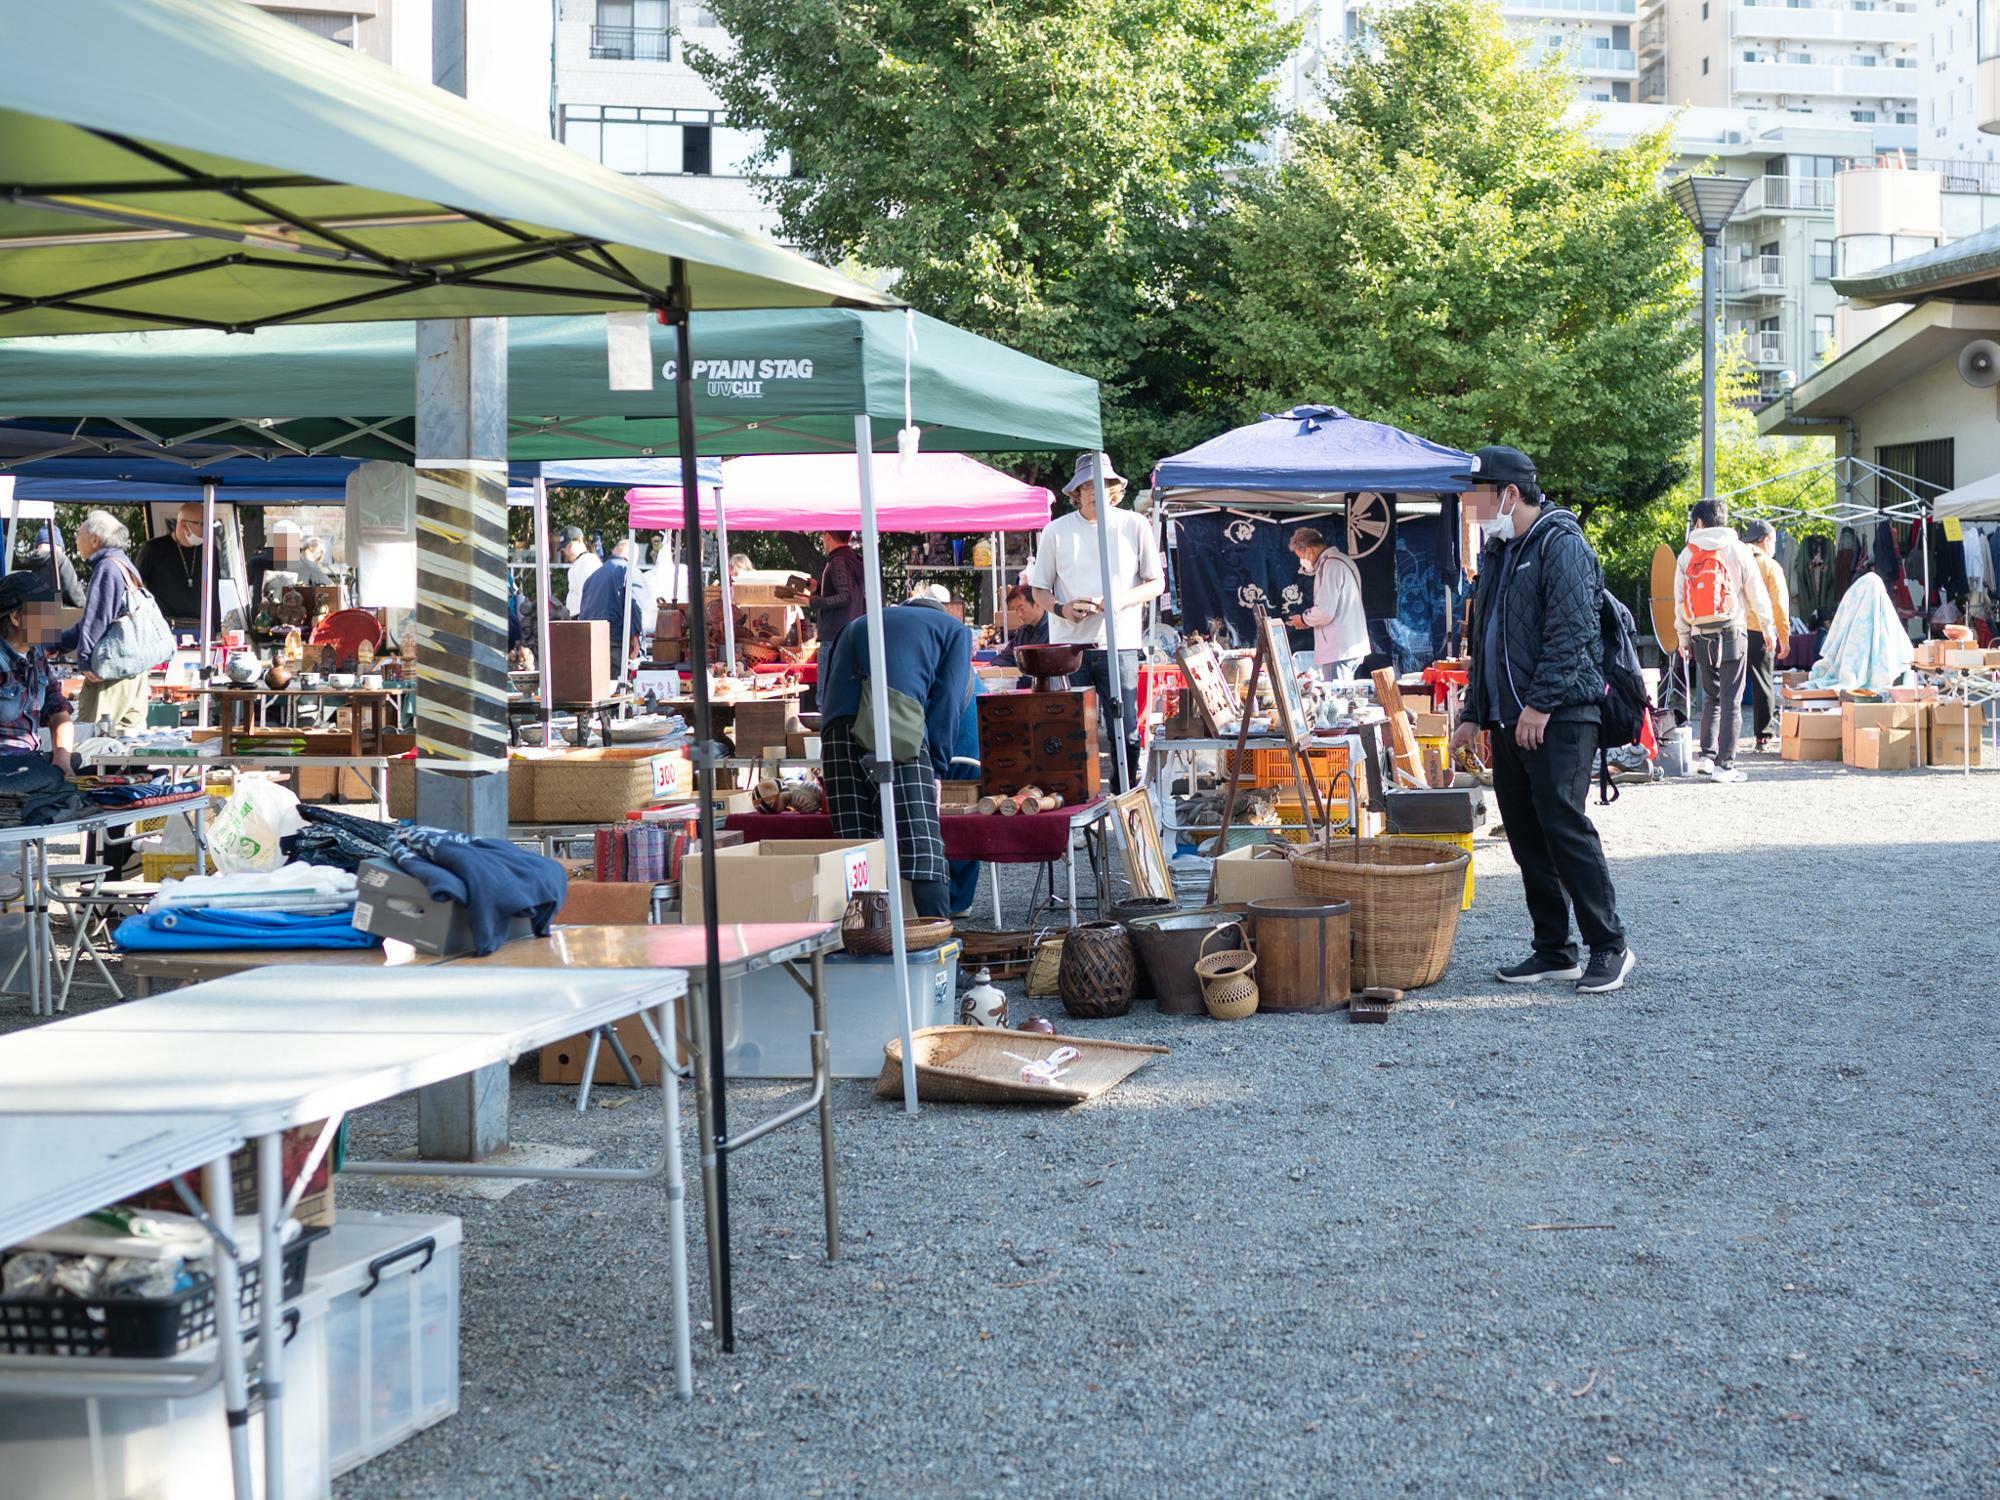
<point x="289" y="1045"/>
<point x="33" y="846"/>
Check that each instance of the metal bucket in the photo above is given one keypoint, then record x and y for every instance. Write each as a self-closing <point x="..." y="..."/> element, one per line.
<point x="1133" y="909"/>
<point x="1305" y="953"/>
<point x="1677" y="752"/>
<point x="1168" y="947"/>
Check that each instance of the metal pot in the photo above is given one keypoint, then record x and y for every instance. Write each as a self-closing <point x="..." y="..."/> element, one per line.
<point x="1168" y="946"/>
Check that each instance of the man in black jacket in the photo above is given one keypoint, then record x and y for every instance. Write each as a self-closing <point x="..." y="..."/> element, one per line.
<point x="1536" y="682"/>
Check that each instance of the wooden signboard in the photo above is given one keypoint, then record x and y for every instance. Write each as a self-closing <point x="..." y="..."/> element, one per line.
<point x="1661" y="599"/>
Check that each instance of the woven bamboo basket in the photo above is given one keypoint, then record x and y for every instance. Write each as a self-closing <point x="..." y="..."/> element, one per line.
<point x="1226" y="986"/>
<point x="982" y="1065"/>
<point x="1405" y="896"/>
<point x="1098" y="974"/>
<point x="1044" y="965"/>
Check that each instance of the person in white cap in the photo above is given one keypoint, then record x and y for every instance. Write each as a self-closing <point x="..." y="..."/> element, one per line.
<point x="1068" y="581"/>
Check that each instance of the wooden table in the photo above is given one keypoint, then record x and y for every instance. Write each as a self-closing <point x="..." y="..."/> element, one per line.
<point x="195" y="966"/>
<point x="373" y="703"/>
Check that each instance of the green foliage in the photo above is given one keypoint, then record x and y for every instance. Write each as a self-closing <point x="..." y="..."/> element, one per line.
<point x="1045" y="174"/>
<point x="1448" y="252"/>
<point x="1749" y="470"/>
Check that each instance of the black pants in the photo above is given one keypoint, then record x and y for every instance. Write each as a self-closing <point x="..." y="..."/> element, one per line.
<point x="1763" y="697"/>
<point x="1097" y="674"/>
<point x="1541" y="795"/>
<point x="1718" y="671"/>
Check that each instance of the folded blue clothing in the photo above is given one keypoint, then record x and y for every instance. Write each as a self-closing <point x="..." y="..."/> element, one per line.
<point x="492" y="879"/>
<point x="207" y="928"/>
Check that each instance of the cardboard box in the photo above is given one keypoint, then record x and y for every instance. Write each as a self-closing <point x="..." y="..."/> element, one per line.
<point x="1253" y="873"/>
<point x="1432" y="726"/>
<point x="563" y="1062"/>
<point x="763" y="723"/>
<point x="1856" y="717"/>
<point x="294" y="1150"/>
<point x="785" y="880"/>
<point x="802" y="744"/>
<point x="1809" y="736"/>
<point x="1885" y="750"/>
<point x="958" y="793"/>
<point x="1957" y="736"/>
<point x="579" y="661"/>
<point x="333" y="784"/>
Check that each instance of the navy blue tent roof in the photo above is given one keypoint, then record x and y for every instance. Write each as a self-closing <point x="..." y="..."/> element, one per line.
<point x="1315" y="450"/>
<point x="114" y="479"/>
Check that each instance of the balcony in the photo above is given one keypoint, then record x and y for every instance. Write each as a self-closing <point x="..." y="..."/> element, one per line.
<point x="1831" y="79"/>
<point x="1756" y="276"/>
<point x="1525" y="8"/>
<point x="1959" y="176"/>
<point x="1825" y="23"/>
<point x="1771" y="194"/>
<point x="1619" y="62"/>
<point x="632" y="43"/>
<point x="1765" y="348"/>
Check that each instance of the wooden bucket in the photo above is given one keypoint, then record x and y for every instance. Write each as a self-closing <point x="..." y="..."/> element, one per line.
<point x="1305" y="952"/>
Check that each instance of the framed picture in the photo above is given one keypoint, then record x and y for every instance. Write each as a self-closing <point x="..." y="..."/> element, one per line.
<point x="1292" y="720"/>
<point x="1219" y="704"/>
<point x="1139" y="833"/>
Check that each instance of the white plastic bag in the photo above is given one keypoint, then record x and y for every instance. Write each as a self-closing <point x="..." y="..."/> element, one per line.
<point x="245" y="834"/>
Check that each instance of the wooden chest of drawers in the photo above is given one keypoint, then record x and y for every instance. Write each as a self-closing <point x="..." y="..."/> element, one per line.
<point x="1047" y="740"/>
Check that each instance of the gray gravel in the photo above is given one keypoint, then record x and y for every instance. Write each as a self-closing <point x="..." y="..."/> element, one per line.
<point x="1296" y="1257"/>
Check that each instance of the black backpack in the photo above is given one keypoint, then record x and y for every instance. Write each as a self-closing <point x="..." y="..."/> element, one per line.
<point x="1626" y="702"/>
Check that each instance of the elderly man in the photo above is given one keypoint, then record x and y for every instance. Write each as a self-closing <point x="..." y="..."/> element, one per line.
<point x="1068" y="582"/>
<point x="170" y="564"/>
<point x="30" y="698"/>
<point x="101" y="541"/>
<point x="1336" y="617"/>
<point x="582" y="563"/>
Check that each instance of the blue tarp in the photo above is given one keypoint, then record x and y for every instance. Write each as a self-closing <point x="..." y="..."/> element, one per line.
<point x="202" y="928"/>
<point x="1316" y="450"/>
<point x="241" y="481"/>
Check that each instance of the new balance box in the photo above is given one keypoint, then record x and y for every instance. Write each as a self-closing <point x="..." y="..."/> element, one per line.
<point x="389" y="1285"/>
<point x="786" y="880"/>
<point x="1455" y="809"/>
<point x="1253" y="873"/>
<point x="391" y="904"/>
<point x="1885" y="750"/>
<point x="1809" y="736"/>
<point x="767" y="1018"/>
<point x="1855" y="717"/>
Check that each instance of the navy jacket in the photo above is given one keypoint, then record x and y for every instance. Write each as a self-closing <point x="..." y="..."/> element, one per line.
<point x="603" y="594"/>
<point x="930" y="661"/>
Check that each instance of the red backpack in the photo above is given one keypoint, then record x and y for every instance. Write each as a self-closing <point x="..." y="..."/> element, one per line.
<point x="1707" y="595"/>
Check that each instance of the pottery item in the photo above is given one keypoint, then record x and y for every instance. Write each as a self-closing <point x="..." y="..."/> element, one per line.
<point x="278" y="678"/>
<point x="985" y="1004"/>
<point x="1048" y="664"/>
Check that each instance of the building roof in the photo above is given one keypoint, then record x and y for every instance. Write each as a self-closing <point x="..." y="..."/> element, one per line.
<point x="1966" y="270"/>
<point x="1927" y="335"/>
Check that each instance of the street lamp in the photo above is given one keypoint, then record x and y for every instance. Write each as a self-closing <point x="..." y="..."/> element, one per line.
<point x="1708" y="202"/>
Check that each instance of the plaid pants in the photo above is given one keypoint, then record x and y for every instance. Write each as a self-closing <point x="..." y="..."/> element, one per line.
<point x="856" y="804"/>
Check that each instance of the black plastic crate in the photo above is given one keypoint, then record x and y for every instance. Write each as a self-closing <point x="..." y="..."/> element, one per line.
<point x="138" y="1327"/>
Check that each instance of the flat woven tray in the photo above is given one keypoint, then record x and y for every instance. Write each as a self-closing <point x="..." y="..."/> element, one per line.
<point x="971" y="1065"/>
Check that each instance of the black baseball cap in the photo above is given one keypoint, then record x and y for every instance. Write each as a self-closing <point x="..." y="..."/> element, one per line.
<point x="1500" y="466"/>
<point x="24" y="587"/>
<point x="572" y="534"/>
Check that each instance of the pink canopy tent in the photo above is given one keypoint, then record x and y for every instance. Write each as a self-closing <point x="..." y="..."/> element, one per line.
<point x="815" y="491"/>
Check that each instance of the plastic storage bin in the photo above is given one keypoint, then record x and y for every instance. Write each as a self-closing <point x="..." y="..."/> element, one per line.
<point x="389" y="1283"/>
<point x="767" y="1019"/>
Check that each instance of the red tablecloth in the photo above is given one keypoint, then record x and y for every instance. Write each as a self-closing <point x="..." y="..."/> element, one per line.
<point x="805" y="671"/>
<point x="1027" y="839"/>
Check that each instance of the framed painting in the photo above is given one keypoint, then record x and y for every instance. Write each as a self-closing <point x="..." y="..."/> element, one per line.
<point x="1146" y="870"/>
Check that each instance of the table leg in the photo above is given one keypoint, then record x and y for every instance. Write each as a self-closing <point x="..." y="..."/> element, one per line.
<point x="670" y="1100"/>
<point x="381" y="780"/>
<point x="270" y="1334"/>
<point x="993" y="870"/>
<point x="823" y="1077"/>
<point x="1069" y="865"/>
<point x="45" y="932"/>
<point x="216" y="1188"/>
<point x="589" y="1071"/>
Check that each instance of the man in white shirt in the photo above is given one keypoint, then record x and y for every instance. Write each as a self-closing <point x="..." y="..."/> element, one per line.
<point x="1068" y="581"/>
<point x="1336" y="617"/>
<point x="582" y="563"/>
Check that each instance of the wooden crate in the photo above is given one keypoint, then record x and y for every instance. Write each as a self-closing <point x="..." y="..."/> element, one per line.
<point x="1049" y="740"/>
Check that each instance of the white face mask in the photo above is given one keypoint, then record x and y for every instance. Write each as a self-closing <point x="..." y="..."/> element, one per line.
<point x="1501" y="527"/>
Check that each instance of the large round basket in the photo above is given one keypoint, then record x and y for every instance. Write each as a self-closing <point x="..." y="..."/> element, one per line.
<point x="1405" y="896"/>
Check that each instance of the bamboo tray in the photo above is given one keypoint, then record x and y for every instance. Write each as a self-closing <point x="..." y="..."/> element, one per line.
<point x="970" y="1065"/>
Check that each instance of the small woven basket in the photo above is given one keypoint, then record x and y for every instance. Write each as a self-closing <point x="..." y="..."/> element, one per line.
<point x="1098" y="974"/>
<point x="1226" y="986"/>
<point x="1044" y="964"/>
<point x="1405" y="895"/>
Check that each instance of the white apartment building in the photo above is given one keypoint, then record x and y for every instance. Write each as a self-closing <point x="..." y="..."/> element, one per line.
<point x="1859" y="61"/>
<point x="1599" y="38"/>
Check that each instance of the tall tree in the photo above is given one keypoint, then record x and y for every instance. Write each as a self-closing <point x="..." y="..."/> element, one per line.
<point x="1045" y="174"/>
<point x="1447" y="250"/>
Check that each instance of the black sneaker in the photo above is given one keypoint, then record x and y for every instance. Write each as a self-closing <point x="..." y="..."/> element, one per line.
<point x="1537" y="968"/>
<point x="1607" y="972"/>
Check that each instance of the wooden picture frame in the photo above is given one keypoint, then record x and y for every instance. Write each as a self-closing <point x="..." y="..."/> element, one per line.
<point x="1292" y="725"/>
<point x="1146" y="868"/>
<point x="1201" y="665"/>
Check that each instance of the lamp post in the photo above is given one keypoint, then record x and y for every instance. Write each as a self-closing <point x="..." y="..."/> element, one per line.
<point x="1708" y="202"/>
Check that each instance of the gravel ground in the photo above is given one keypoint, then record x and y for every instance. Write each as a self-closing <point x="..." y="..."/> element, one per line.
<point x="1301" y="1258"/>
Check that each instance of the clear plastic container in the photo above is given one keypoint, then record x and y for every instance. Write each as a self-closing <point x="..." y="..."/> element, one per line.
<point x="767" y="1018"/>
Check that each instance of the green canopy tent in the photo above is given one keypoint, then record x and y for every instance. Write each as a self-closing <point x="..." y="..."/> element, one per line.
<point x="812" y="380"/>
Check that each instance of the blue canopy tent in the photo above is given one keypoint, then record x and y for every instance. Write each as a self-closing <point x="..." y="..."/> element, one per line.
<point x="1234" y="501"/>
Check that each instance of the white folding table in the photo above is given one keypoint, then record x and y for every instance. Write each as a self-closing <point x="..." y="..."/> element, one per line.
<point x="33" y="843"/>
<point x="290" y="1045"/>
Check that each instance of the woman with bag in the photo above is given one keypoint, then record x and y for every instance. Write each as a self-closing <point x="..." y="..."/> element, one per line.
<point x="122" y="635"/>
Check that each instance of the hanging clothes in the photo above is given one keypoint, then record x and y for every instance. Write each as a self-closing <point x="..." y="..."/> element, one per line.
<point x="1847" y="555"/>
<point x="1812" y="580"/>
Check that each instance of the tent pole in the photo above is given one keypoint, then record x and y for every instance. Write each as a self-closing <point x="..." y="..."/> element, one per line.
<point x="544" y="616"/>
<point x="704" y="754"/>
<point x="625" y="670"/>
<point x="13" y="523"/>
<point x="722" y="581"/>
<point x="1116" y="713"/>
<point x="207" y="654"/>
<point x="881" y="765"/>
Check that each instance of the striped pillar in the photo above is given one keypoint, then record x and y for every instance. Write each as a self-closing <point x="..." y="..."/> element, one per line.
<point x="462" y="616"/>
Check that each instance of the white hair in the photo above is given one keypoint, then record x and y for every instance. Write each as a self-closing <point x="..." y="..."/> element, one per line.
<point x="106" y="529"/>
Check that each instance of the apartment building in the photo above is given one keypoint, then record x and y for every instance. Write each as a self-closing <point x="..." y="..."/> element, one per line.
<point x="1597" y="37"/>
<point x="1854" y="60"/>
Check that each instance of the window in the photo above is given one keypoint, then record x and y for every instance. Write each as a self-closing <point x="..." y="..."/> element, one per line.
<point x="1822" y="334"/>
<point x="1822" y="260"/>
<point x="1989" y="30"/>
<point x="1929" y="464"/>
<point x="633" y="30"/>
<point x="1862" y="116"/>
<point x="1906" y="117"/>
<point x="1704" y="61"/>
<point x="1704" y="9"/>
<point x="663" y="142"/>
